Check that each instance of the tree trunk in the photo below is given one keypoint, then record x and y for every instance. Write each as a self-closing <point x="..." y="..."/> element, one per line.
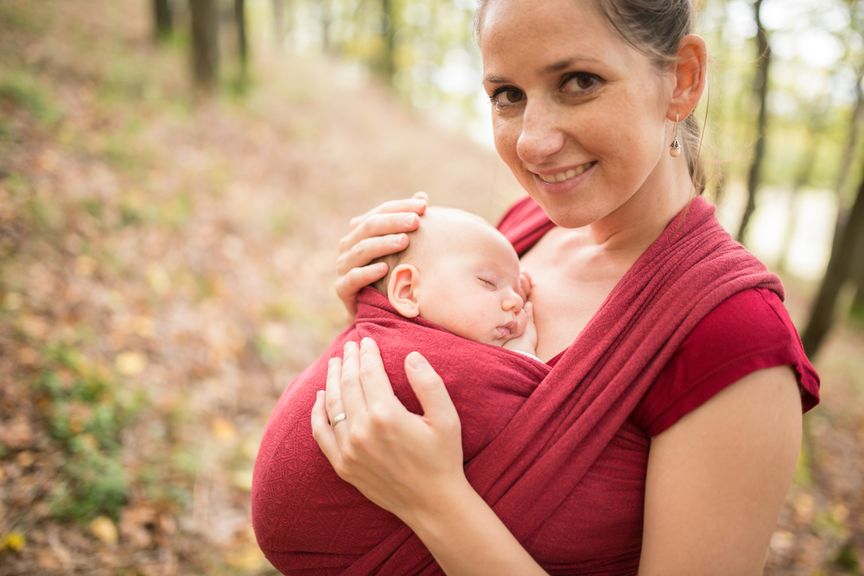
<point x="163" y="20"/>
<point x="851" y="136"/>
<point x="388" y="34"/>
<point x="857" y="311"/>
<point x="839" y="267"/>
<point x="760" y="87"/>
<point x="205" y="43"/>
<point x="278" y="22"/>
<point x="242" y="42"/>
<point x="326" y="21"/>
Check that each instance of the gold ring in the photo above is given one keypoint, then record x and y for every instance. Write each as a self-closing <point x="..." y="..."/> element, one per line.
<point x="337" y="419"/>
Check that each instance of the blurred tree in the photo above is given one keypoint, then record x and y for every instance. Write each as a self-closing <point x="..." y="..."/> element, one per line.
<point x="836" y="275"/>
<point x="854" y="125"/>
<point x="760" y="90"/>
<point x="326" y="11"/>
<point x="857" y="310"/>
<point x="242" y="42"/>
<point x="205" y="43"/>
<point x="388" y="34"/>
<point x="817" y="125"/>
<point x="279" y="22"/>
<point x="163" y="20"/>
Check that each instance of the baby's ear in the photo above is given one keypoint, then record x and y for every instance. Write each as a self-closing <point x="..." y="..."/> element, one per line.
<point x="401" y="290"/>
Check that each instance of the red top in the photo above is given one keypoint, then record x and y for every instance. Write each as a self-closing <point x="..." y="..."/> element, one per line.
<point x="747" y="332"/>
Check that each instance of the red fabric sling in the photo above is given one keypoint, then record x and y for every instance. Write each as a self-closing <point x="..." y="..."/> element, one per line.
<point x="558" y="431"/>
<point x="307" y="520"/>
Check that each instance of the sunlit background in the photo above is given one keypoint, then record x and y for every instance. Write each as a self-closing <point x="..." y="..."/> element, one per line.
<point x="171" y="197"/>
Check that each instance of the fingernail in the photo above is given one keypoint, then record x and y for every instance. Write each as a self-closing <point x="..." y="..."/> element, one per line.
<point x="399" y="239"/>
<point x="410" y="219"/>
<point x="417" y="361"/>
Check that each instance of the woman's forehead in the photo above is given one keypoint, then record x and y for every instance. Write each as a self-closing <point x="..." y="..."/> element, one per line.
<point x="547" y="35"/>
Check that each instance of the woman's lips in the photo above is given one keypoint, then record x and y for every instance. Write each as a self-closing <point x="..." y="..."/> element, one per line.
<point x="565" y="175"/>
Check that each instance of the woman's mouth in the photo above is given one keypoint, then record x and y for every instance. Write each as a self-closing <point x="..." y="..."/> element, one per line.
<point x="564" y="175"/>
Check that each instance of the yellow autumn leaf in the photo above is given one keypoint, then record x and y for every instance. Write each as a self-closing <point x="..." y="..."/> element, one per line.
<point x="249" y="558"/>
<point x="104" y="529"/>
<point x="130" y="363"/>
<point x="13" y="541"/>
<point x="223" y="429"/>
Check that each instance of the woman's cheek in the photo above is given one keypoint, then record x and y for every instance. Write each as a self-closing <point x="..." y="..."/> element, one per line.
<point x="506" y="134"/>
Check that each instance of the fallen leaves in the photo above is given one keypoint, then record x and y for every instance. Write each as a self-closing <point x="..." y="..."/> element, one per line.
<point x="12" y="541"/>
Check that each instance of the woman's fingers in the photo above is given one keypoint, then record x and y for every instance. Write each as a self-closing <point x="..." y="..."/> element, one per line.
<point x="335" y="410"/>
<point x="368" y="249"/>
<point x="373" y="378"/>
<point x="322" y="432"/>
<point x="355" y="280"/>
<point x="388" y="229"/>
<point x="525" y="285"/>
<point x="438" y="408"/>
<point x="417" y="204"/>
<point x="351" y="392"/>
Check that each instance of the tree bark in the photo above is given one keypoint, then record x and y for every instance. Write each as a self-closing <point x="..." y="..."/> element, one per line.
<point x="326" y="21"/>
<point x="242" y="42"/>
<point x="760" y="87"/>
<point x="205" y="43"/>
<point x="852" y="135"/>
<point x="839" y="267"/>
<point x="278" y="22"/>
<point x="163" y="20"/>
<point x="388" y="34"/>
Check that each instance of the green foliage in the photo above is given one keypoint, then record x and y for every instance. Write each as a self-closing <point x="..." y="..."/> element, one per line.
<point x="23" y="90"/>
<point x="86" y="414"/>
<point x="847" y="560"/>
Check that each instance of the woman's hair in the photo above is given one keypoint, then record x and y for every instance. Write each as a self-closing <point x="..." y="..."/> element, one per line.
<point x="655" y="28"/>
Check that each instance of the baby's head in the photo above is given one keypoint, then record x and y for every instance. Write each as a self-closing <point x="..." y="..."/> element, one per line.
<point x="460" y="273"/>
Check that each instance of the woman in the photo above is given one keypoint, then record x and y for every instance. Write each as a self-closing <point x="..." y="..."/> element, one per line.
<point x="592" y="106"/>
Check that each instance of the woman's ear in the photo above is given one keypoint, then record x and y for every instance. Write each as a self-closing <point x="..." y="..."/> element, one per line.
<point x="690" y="69"/>
<point x="401" y="290"/>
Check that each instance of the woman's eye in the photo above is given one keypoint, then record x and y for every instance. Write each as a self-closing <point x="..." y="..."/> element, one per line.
<point x="506" y="96"/>
<point x="581" y="83"/>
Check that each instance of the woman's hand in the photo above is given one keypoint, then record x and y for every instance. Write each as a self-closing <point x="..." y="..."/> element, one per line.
<point x="403" y="462"/>
<point x="412" y="465"/>
<point x="379" y="232"/>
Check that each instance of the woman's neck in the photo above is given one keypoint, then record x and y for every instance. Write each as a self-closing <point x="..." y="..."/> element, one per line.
<point x="639" y="221"/>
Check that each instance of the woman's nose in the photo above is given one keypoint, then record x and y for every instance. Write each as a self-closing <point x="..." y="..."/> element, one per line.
<point x="541" y="136"/>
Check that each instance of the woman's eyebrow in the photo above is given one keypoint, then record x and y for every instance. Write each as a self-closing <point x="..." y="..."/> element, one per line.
<point x="552" y="68"/>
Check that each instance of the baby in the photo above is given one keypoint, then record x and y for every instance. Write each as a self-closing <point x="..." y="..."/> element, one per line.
<point x="462" y="274"/>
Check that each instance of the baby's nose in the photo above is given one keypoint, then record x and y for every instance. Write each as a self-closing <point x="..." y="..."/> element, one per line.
<point x="513" y="302"/>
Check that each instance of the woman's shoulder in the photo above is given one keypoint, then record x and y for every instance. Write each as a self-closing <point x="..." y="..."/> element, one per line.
<point x="747" y="332"/>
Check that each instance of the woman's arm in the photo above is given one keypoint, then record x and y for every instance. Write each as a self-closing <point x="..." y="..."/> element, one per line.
<point x="718" y="478"/>
<point x="412" y="465"/>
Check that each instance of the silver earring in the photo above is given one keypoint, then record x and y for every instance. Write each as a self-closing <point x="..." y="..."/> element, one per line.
<point x="675" y="147"/>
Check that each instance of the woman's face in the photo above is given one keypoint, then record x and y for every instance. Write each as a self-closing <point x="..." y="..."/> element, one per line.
<point x="578" y="114"/>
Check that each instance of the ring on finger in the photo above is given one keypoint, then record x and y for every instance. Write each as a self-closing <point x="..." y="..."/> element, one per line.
<point x="341" y="417"/>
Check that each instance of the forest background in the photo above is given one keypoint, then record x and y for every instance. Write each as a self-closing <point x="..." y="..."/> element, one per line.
<point x="174" y="178"/>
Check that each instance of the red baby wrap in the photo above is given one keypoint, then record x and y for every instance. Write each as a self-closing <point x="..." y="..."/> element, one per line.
<point x="529" y="433"/>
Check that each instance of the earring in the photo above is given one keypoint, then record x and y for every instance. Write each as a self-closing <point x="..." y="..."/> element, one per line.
<point x="675" y="147"/>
